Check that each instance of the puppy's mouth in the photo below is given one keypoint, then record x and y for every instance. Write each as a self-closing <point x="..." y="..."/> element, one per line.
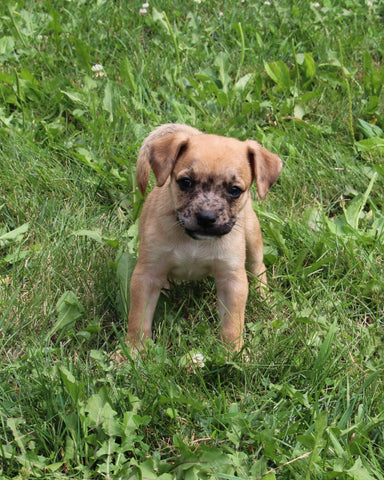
<point x="208" y="233"/>
<point x="205" y="224"/>
<point x="205" y="235"/>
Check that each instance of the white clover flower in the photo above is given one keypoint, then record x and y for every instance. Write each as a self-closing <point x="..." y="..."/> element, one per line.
<point x="369" y="4"/>
<point x="192" y="361"/>
<point x="198" y="359"/>
<point x="98" y="70"/>
<point x="142" y="11"/>
<point x="267" y="3"/>
<point x="315" y="5"/>
<point x="145" y="5"/>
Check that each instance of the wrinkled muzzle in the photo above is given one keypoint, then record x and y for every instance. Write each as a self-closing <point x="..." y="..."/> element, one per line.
<point x="205" y="222"/>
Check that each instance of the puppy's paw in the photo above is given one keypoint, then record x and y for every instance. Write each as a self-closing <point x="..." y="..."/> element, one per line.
<point x="117" y="357"/>
<point x="121" y="356"/>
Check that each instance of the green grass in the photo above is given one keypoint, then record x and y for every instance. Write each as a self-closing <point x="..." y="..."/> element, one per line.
<point x="305" y="400"/>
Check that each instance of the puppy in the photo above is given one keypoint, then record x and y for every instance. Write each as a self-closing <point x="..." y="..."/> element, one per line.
<point x="198" y="220"/>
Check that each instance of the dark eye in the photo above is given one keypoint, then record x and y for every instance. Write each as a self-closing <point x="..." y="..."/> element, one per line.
<point x="234" y="191"/>
<point x="185" y="184"/>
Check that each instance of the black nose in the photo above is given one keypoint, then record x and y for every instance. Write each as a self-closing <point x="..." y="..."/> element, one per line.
<point x="206" y="218"/>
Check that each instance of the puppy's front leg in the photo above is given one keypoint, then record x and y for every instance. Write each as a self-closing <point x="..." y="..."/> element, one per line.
<point x="144" y="294"/>
<point x="254" y="245"/>
<point x="232" y="293"/>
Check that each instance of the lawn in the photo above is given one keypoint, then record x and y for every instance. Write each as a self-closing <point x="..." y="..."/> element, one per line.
<point x="81" y="85"/>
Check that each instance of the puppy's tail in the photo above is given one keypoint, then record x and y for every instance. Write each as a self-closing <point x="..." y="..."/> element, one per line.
<point x="143" y="159"/>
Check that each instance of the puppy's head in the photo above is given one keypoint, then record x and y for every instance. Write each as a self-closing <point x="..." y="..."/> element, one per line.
<point x="210" y="177"/>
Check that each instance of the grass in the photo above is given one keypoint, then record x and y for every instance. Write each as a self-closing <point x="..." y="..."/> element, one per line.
<point x="305" y="400"/>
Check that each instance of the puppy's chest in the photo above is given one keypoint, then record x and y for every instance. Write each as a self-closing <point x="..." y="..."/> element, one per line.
<point x="194" y="260"/>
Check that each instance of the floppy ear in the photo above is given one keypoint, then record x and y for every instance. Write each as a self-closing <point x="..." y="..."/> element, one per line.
<point x="142" y="169"/>
<point x="163" y="154"/>
<point x="266" y="167"/>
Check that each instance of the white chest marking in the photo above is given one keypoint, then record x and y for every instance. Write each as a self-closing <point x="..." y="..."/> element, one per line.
<point x="195" y="259"/>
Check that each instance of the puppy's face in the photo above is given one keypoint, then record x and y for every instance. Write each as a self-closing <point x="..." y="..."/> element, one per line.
<point x="210" y="178"/>
<point x="209" y="185"/>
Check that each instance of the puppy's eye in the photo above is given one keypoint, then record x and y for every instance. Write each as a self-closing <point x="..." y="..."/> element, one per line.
<point x="235" y="191"/>
<point x="185" y="184"/>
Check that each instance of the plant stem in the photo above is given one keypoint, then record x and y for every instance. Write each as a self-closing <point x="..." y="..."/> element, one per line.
<point x="242" y="56"/>
<point x="176" y="45"/>
<point x="350" y="115"/>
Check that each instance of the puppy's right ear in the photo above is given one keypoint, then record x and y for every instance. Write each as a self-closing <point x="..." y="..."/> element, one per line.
<point x="163" y="155"/>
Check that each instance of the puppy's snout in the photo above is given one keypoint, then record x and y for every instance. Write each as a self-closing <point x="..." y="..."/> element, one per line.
<point x="206" y="218"/>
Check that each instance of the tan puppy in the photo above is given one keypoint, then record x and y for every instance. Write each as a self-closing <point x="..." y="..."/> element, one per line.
<point x="199" y="221"/>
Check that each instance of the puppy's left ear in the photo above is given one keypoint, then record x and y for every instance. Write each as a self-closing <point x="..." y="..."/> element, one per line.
<point x="266" y="167"/>
<point x="163" y="154"/>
